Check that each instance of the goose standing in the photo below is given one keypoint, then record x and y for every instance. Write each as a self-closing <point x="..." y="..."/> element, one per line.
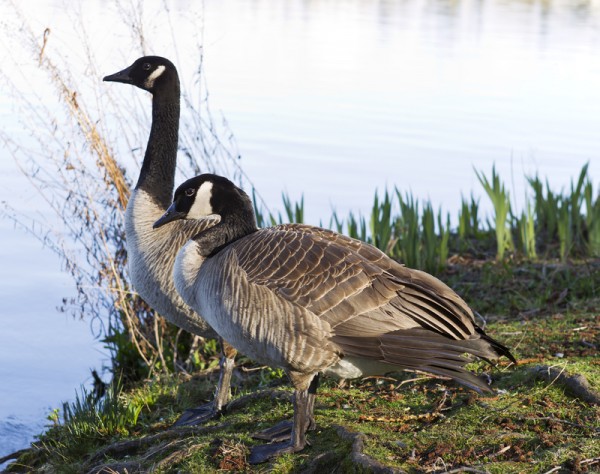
<point x="151" y="252"/>
<point x="310" y="300"/>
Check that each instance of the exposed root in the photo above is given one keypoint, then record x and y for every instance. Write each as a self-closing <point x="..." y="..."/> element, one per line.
<point x="466" y="469"/>
<point x="122" y="448"/>
<point x="176" y="457"/>
<point x="577" y="385"/>
<point x="127" y="467"/>
<point x="361" y="459"/>
<point x="14" y="455"/>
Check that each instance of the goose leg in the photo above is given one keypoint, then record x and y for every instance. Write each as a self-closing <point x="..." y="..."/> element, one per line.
<point x="204" y="413"/>
<point x="282" y="430"/>
<point x="303" y="419"/>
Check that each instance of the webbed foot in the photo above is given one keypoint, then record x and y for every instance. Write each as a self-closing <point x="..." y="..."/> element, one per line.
<point x="276" y="433"/>
<point x="264" y="452"/>
<point x="198" y="415"/>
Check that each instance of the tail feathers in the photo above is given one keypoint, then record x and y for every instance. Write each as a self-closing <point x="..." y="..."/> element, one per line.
<point x="460" y="375"/>
<point x="434" y="356"/>
<point x="480" y="344"/>
<point x="499" y="349"/>
<point x="427" y="351"/>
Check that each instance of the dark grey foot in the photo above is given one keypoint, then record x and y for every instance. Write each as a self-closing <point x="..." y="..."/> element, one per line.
<point x="198" y="416"/>
<point x="279" y="432"/>
<point x="264" y="452"/>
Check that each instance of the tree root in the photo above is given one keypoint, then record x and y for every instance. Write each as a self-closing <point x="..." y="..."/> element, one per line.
<point x="140" y="466"/>
<point x="122" y="448"/>
<point x="14" y="455"/>
<point x="129" y="467"/>
<point x="577" y="385"/>
<point x="359" y="458"/>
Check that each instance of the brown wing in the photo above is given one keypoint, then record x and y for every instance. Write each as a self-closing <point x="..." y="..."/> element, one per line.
<point x="355" y="287"/>
<point x="376" y="308"/>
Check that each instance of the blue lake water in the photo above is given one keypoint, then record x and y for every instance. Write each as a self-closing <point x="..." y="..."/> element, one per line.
<point x="330" y="100"/>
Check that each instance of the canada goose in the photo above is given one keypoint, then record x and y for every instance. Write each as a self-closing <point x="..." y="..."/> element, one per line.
<point x="151" y="252"/>
<point x="310" y="300"/>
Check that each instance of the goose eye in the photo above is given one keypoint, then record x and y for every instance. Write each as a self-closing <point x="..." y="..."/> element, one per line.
<point x="146" y="66"/>
<point x="190" y="191"/>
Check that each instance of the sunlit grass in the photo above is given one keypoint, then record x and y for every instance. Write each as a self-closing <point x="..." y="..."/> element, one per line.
<point x="414" y="423"/>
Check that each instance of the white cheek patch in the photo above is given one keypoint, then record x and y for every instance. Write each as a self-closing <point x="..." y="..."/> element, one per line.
<point x="201" y="207"/>
<point x="155" y="75"/>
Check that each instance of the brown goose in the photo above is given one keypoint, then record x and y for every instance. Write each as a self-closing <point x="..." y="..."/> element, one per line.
<point x="310" y="300"/>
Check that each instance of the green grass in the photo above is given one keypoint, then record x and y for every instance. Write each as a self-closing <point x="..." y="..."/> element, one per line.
<point x="411" y="422"/>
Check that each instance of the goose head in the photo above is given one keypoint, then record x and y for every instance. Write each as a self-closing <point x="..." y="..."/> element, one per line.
<point x="207" y="196"/>
<point x="150" y="73"/>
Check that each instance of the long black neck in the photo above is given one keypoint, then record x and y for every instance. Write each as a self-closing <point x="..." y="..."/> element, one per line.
<point x="157" y="176"/>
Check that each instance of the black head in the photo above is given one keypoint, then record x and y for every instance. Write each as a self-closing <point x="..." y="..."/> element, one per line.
<point x="150" y="73"/>
<point x="206" y="195"/>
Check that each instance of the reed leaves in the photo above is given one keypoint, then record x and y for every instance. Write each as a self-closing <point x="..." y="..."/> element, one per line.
<point x="552" y="224"/>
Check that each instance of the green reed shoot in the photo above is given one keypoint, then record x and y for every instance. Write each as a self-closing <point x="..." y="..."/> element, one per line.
<point x="592" y="220"/>
<point x="380" y="223"/>
<point x="526" y="228"/>
<point x="565" y="229"/>
<point x="336" y="223"/>
<point x="575" y="206"/>
<point x="559" y="216"/>
<point x="407" y="230"/>
<point x="429" y="238"/>
<point x="258" y="212"/>
<point x="468" y="222"/>
<point x="498" y="194"/>
<point x="293" y="211"/>
<point x="443" y="247"/>
<point x="546" y="210"/>
<point x="357" y="228"/>
<point x="468" y="219"/>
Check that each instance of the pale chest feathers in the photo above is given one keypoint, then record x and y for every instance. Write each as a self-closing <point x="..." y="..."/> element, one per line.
<point x="186" y="271"/>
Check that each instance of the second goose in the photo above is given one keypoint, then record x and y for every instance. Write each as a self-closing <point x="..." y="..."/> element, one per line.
<point x="151" y="253"/>
<point x="310" y="300"/>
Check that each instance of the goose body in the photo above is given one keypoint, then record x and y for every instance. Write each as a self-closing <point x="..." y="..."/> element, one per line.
<point x="151" y="256"/>
<point x="151" y="252"/>
<point x="310" y="300"/>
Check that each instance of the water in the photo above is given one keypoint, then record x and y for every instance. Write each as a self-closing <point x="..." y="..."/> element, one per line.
<point x="332" y="100"/>
<point x="335" y="101"/>
<point x="44" y="354"/>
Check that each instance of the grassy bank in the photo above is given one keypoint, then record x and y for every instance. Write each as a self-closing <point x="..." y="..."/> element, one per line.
<point x="532" y="272"/>
<point x="542" y="417"/>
